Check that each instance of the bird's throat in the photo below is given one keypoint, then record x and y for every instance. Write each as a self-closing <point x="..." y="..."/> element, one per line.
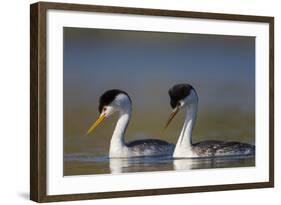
<point x="117" y="142"/>
<point x="185" y="138"/>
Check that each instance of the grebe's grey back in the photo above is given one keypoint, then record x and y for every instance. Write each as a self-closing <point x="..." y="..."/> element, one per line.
<point x="185" y="96"/>
<point x="119" y="101"/>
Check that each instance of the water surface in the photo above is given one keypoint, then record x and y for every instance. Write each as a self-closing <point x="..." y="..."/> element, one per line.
<point x="86" y="164"/>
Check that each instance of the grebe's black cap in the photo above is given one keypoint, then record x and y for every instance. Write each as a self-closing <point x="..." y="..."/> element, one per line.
<point x="179" y="92"/>
<point x="109" y="96"/>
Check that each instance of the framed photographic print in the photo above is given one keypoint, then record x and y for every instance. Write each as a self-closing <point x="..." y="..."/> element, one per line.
<point x="134" y="102"/>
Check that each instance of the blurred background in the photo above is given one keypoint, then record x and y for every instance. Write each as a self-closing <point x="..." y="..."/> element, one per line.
<point x="146" y="65"/>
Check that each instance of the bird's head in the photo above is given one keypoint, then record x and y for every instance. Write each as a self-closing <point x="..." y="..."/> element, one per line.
<point x="110" y="102"/>
<point x="181" y="96"/>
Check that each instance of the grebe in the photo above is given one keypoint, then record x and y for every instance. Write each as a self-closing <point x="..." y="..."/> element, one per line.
<point x="119" y="101"/>
<point x="185" y="96"/>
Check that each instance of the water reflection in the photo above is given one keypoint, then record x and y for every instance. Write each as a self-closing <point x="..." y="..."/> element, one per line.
<point x="205" y="163"/>
<point x="137" y="164"/>
<point x="125" y="165"/>
<point x="87" y="164"/>
<point x="117" y="165"/>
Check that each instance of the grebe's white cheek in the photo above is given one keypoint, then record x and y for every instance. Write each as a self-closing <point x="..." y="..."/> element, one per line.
<point x="184" y="102"/>
<point x="121" y="101"/>
<point x="192" y="98"/>
<point x="108" y="111"/>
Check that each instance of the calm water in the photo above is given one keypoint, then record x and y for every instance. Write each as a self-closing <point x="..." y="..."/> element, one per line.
<point x="86" y="164"/>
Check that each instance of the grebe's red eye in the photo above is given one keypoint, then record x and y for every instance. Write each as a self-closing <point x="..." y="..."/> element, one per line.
<point x="104" y="109"/>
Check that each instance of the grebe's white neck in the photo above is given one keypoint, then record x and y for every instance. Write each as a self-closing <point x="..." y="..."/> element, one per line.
<point x="117" y="143"/>
<point x="184" y="144"/>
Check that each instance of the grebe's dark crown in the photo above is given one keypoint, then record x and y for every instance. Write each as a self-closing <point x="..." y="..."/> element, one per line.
<point x="109" y="96"/>
<point x="179" y="92"/>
